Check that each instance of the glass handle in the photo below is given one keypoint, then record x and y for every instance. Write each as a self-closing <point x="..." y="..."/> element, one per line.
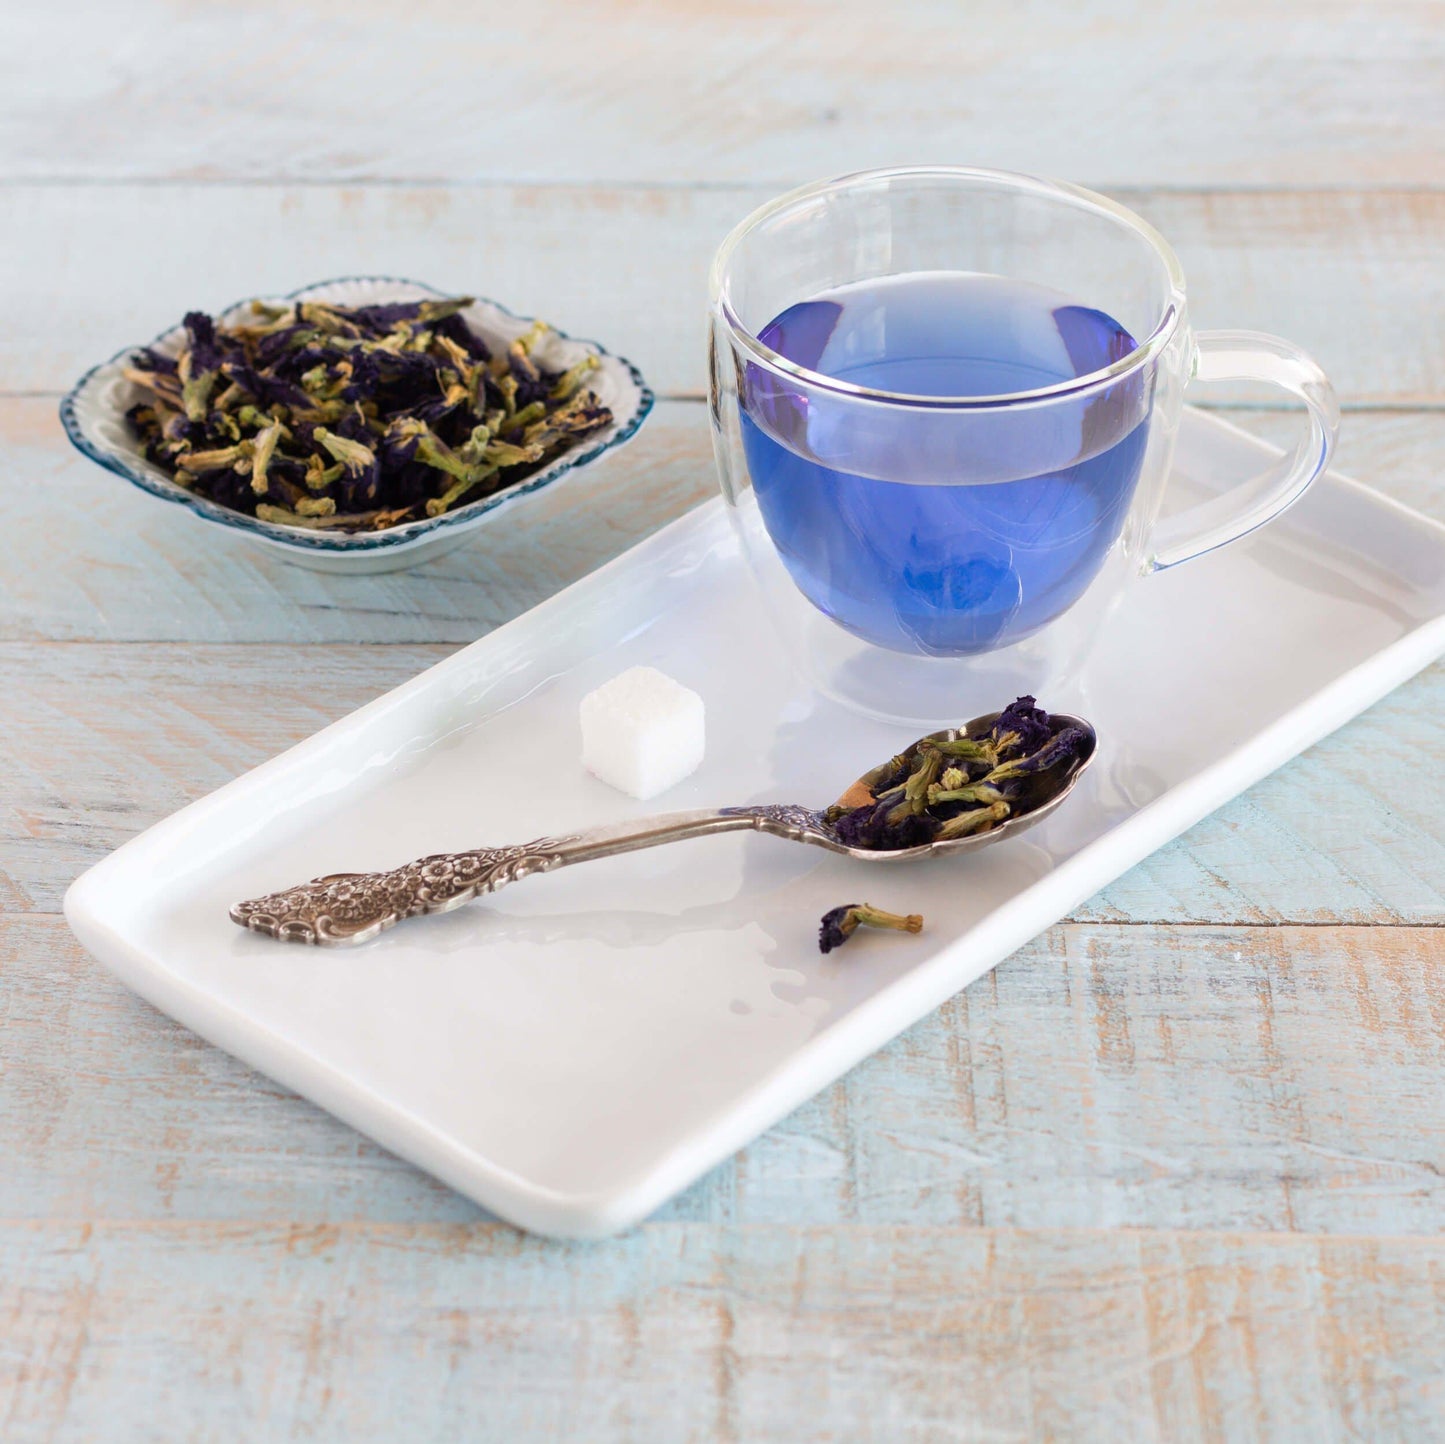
<point x="1253" y="356"/>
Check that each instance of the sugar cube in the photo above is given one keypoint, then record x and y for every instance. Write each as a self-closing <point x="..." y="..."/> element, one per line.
<point x="642" y="732"/>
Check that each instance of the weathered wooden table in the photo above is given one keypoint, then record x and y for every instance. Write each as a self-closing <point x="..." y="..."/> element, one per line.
<point x="1175" y="1171"/>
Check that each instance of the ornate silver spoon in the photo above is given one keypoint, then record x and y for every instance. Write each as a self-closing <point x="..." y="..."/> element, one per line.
<point x="353" y="907"/>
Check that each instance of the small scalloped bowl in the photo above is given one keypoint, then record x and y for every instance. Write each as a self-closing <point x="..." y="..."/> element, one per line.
<point x="93" y="415"/>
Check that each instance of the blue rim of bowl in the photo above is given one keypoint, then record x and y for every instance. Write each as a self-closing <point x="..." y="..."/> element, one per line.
<point x="355" y="543"/>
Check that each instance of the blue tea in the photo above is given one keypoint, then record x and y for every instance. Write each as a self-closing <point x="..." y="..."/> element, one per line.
<point x="943" y="569"/>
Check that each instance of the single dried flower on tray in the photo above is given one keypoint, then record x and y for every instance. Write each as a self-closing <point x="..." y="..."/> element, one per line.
<point x="937" y="791"/>
<point x="840" y="923"/>
<point x="355" y="418"/>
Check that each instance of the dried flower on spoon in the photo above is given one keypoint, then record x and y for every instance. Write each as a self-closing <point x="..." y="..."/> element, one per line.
<point x="839" y="924"/>
<point x="354" y="418"/>
<point x="937" y="791"/>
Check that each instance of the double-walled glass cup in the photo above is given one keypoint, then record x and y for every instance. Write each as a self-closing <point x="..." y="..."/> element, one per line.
<point x="928" y="557"/>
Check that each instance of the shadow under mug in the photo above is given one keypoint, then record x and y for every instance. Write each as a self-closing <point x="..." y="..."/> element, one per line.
<point x="924" y="555"/>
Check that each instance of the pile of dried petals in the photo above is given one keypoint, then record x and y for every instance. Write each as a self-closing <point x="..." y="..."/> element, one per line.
<point x="937" y="790"/>
<point x="354" y="418"/>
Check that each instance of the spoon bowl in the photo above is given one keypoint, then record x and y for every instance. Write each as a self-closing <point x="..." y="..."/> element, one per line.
<point x="860" y="794"/>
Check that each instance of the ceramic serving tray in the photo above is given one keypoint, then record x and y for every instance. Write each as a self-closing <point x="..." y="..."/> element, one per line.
<point x="575" y="1050"/>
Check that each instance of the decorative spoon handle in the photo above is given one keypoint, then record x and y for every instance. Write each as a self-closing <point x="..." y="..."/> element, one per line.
<point x="353" y="907"/>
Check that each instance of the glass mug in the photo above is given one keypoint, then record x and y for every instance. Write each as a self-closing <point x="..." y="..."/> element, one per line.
<point x="944" y="403"/>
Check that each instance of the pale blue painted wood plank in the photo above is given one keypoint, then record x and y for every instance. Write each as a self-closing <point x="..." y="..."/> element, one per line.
<point x="1323" y="91"/>
<point x="1354" y="277"/>
<point x="84" y="556"/>
<point x="883" y="1336"/>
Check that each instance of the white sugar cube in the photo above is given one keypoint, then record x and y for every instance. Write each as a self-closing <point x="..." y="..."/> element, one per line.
<point x="642" y="732"/>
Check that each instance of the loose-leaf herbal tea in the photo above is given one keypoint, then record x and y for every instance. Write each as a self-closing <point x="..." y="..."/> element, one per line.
<point x="354" y="418"/>
<point x="936" y="791"/>
<point x="840" y="924"/>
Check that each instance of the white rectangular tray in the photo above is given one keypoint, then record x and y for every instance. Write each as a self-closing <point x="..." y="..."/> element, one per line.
<point x="574" y="1051"/>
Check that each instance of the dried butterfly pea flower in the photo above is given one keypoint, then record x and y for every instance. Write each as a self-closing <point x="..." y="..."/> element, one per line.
<point x="936" y="791"/>
<point x="358" y="418"/>
<point x="1021" y="728"/>
<point x="839" y="924"/>
<point x="965" y="824"/>
<point x="266" y="441"/>
<point x="876" y="829"/>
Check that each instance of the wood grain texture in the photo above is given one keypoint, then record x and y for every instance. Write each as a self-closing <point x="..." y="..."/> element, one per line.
<point x="103" y="740"/>
<point x="134" y="569"/>
<point x="880" y="1336"/>
<point x="1289" y="92"/>
<point x="1358" y="278"/>
<point x="1175" y="1077"/>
